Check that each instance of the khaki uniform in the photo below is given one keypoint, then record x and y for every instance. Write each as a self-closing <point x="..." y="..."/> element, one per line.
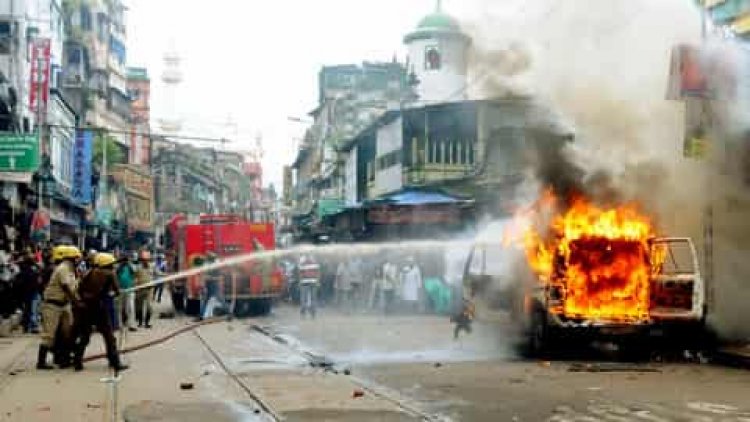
<point x="56" y="309"/>
<point x="143" y="297"/>
<point x="94" y="288"/>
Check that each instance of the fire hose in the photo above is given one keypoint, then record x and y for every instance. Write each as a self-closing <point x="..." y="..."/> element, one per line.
<point x="157" y="341"/>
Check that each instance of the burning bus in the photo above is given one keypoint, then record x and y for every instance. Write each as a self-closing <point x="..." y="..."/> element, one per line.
<point x="603" y="274"/>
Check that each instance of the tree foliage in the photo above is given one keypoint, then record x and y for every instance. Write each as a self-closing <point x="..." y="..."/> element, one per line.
<point x="115" y="154"/>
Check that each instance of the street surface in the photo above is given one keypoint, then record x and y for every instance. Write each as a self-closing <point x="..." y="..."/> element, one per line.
<point x="343" y="367"/>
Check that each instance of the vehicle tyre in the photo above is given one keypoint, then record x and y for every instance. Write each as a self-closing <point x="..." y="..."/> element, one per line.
<point x="538" y="337"/>
<point x="635" y="350"/>
<point x="260" y="307"/>
<point x="252" y="307"/>
<point x="178" y="301"/>
<point x="193" y="307"/>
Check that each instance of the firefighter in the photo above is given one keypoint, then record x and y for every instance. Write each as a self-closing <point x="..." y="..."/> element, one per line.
<point x="98" y="285"/>
<point x="211" y="287"/>
<point x="56" y="308"/>
<point x="143" y="276"/>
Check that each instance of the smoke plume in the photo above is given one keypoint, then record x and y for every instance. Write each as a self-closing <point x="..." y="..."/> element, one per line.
<point x="604" y="66"/>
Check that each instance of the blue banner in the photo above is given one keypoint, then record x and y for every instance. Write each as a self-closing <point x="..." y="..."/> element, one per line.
<point x="83" y="152"/>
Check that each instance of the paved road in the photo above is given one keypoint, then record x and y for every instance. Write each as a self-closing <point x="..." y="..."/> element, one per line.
<point x="370" y="368"/>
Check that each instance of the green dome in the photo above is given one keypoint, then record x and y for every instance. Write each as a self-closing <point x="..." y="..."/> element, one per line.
<point x="439" y="20"/>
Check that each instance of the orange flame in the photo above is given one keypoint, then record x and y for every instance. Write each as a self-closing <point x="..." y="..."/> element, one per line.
<point x="598" y="258"/>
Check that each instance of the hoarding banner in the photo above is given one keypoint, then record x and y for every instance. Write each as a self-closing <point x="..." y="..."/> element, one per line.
<point x="40" y="74"/>
<point x="82" y="161"/>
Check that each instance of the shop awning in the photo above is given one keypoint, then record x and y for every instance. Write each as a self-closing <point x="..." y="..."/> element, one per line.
<point x="419" y="197"/>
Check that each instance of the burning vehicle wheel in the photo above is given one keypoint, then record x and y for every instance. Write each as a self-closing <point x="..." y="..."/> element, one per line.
<point x="540" y="338"/>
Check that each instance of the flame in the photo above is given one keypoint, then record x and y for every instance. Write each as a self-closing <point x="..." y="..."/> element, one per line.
<point x="597" y="258"/>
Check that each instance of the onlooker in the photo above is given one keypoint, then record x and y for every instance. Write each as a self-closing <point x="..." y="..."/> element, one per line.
<point x="356" y="279"/>
<point x="160" y="268"/>
<point x="143" y="276"/>
<point x="389" y="285"/>
<point x="29" y="277"/>
<point x="411" y="285"/>
<point x="343" y="285"/>
<point x="126" y="278"/>
<point x="7" y="273"/>
<point x="309" y="280"/>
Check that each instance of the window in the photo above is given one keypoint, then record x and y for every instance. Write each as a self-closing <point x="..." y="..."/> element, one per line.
<point x="5" y="37"/>
<point x="102" y="27"/>
<point x="389" y="160"/>
<point x="85" y="18"/>
<point x="74" y="55"/>
<point x="433" y="58"/>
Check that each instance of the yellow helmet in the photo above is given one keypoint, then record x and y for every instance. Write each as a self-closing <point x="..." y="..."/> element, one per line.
<point x="104" y="260"/>
<point x="62" y="252"/>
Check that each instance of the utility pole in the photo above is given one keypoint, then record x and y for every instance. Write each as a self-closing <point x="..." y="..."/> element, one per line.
<point x="708" y="214"/>
<point x="103" y="186"/>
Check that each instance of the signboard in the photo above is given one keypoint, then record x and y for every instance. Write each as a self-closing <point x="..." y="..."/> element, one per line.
<point x="19" y="153"/>
<point x="414" y="215"/>
<point x="40" y="74"/>
<point x="82" y="158"/>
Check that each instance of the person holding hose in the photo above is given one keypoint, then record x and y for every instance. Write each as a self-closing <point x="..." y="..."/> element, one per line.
<point x="57" y="314"/>
<point x="212" y="285"/>
<point x="95" y="287"/>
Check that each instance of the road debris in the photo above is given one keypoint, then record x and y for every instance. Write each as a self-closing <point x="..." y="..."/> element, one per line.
<point x="358" y="393"/>
<point x="186" y="386"/>
<point x="607" y="367"/>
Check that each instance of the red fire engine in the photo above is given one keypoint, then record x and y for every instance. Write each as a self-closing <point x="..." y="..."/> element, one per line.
<point x="257" y="281"/>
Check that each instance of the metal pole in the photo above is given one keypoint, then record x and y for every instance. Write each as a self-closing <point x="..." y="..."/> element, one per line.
<point x="708" y="217"/>
<point x="104" y="184"/>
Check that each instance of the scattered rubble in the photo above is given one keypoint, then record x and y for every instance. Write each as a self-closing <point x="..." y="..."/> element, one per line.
<point x="606" y="367"/>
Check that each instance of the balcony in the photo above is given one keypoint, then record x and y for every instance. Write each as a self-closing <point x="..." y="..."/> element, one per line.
<point x="119" y="104"/>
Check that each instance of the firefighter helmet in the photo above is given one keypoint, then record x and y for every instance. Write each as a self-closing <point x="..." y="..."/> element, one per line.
<point x="104" y="260"/>
<point x="66" y="252"/>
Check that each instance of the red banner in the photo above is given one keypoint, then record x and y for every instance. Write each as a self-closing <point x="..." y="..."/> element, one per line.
<point x="40" y="73"/>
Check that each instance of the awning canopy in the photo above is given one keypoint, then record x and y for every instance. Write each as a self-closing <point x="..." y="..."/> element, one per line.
<point x="419" y="197"/>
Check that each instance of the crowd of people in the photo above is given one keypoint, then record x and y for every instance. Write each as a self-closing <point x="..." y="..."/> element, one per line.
<point x="383" y="282"/>
<point x="62" y="294"/>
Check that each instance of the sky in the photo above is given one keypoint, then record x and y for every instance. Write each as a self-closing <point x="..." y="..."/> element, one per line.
<point x="254" y="64"/>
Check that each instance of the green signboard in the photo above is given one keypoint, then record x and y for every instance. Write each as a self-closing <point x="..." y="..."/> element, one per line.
<point x="19" y="152"/>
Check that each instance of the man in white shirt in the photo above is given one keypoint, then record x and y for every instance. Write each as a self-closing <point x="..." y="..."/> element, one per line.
<point x="411" y="285"/>
<point x="309" y="280"/>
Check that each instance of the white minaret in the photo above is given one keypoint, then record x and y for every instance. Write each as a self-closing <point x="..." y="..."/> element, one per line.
<point x="172" y="77"/>
<point x="438" y="54"/>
